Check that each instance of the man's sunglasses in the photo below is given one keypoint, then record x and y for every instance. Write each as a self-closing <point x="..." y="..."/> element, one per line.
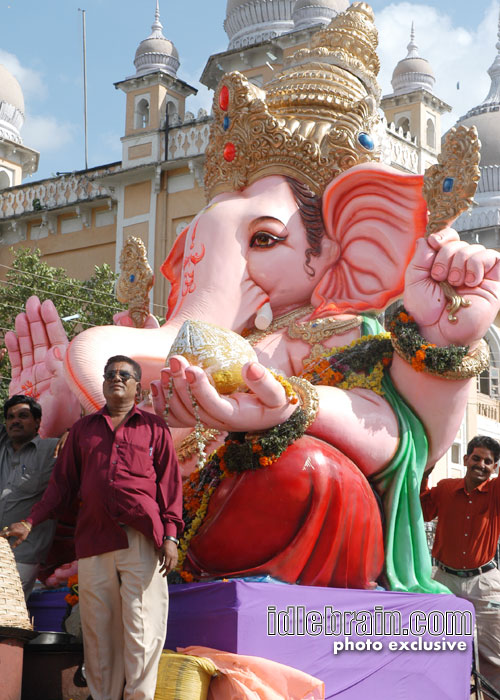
<point x="110" y="374"/>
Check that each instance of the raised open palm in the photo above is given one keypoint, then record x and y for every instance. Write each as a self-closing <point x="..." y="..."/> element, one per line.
<point x="36" y="352"/>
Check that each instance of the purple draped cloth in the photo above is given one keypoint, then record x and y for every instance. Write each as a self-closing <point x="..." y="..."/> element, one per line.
<point x="247" y="618"/>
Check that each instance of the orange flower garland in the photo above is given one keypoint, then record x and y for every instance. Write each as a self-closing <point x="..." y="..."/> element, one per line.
<point x="72" y="597"/>
<point x="418" y="352"/>
<point x="239" y="453"/>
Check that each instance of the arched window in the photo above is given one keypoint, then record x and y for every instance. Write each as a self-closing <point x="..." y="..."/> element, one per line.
<point x="488" y="381"/>
<point x="142" y="114"/>
<point x="4" y="180"/>
<point x="403" y="123"/>
<point x="431" y="134"/>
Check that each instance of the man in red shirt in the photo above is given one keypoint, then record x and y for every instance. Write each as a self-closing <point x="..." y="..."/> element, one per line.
<point x="121" y="463"/>
<point x="467" y="533"/>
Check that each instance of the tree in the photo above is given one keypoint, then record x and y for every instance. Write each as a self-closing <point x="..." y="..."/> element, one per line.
<point x="87" y="303"/>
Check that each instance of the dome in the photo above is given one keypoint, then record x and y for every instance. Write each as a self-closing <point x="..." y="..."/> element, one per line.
<point x="487" y="124"/>
<point x="10" y="90"/>
<point x="308" y="13"/>
<point x="156" y="52"/>
<point x="252" y="21"/>
<point x="11" y="106"/>
<point x="413" y="72"/>
<point x="486" y="116"/>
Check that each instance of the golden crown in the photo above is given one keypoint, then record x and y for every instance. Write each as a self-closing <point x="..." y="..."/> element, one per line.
<point x="314" y="120"/>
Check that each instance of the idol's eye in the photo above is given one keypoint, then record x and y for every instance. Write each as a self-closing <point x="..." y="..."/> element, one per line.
<point x="264" y="239"/>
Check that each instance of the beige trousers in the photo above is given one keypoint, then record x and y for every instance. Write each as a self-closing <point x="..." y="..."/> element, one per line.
<point x="483" y="592"/>
<point x="124" y="608"/>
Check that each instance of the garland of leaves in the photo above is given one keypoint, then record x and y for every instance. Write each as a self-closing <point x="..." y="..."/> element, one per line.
<point x="359" y="364"/>
<point x="418" y="352"/>
<point x="240" y="452"/>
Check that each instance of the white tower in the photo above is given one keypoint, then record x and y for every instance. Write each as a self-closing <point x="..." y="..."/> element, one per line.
<point x="413" y="107"/>
<point x="16" y="160"/>
<point x="153" y="94"/>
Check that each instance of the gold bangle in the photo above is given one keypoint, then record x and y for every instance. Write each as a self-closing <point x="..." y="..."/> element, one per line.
<point x="472" y="364"/>
<point x="308" y="397"/>
<point x="27" y="525"/>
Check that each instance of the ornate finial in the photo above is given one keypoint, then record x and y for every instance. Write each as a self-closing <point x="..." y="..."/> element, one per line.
<point x="312" y="121"/>
<point x="449" y="189"/>
<point x="135" y="280"/>
<point x="412" y="47"/>
<point x="157" y="26"/>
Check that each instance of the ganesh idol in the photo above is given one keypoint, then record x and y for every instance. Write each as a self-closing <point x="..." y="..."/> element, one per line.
<point x="309" y="466"/>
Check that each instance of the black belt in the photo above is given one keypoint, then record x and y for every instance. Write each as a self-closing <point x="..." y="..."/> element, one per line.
<point x="468" y="573"/>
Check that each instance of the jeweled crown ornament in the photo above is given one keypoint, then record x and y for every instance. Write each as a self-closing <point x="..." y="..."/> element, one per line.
<point x="314" y="120"/>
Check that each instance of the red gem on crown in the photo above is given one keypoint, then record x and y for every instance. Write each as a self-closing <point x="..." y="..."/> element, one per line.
<point x="229" y="152"/>
<point x="224" y="98"/>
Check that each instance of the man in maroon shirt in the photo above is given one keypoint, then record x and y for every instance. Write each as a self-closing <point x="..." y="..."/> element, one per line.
<point x="467" y="533"/>
<point x="121" y="463"/>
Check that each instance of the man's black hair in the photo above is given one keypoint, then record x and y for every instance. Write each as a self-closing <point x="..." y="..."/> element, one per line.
<point x="34" y="406"/>
<point x="123" y="358"/>
<point x="488" y="443"/>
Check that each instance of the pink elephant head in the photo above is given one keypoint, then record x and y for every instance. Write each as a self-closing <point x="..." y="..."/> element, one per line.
<point x="346" y="252"/>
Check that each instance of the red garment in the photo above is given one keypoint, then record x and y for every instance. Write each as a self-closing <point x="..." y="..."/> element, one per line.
<point x="309" y="518"/>
<point x="468" y="523"/>
<point x="129" y="476"/>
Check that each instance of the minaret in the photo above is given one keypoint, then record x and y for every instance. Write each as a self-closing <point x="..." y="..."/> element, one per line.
<point x="413" y="107"/>
<point x="153" y="92"/>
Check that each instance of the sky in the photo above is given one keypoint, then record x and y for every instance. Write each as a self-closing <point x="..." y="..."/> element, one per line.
<point x="41" y="44"/>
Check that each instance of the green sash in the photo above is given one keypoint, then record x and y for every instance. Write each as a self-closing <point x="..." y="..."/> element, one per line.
<point x="407" y="558"/>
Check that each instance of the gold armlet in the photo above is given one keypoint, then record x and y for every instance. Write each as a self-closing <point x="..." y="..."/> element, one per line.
<point x="308" y="397"/>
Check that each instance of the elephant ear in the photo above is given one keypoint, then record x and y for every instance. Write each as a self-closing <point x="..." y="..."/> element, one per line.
<point x="375" y="214"/>
<point x="172" y="270"/>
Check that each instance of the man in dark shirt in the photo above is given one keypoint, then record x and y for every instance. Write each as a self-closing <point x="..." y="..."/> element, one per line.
<point x="26" y="463"/>
<point x="468" y="512"/>
<point x="121" y="463"/>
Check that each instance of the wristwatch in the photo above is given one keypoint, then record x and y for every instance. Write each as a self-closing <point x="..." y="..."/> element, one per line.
<point x="172" y="538"/>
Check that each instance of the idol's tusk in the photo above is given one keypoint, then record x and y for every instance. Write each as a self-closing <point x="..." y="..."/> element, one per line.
<point x="264" y="317"/>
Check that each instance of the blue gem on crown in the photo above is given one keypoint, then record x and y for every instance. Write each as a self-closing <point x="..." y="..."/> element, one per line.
<point x="448" y="183"/>
<point x="366" y="141"/>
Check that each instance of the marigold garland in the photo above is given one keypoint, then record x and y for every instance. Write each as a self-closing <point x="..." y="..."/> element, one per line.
<point x="359" y="364"/>
<point x="240" y="452"/>
<point x="422" y="355"/>
<point x="72" y="597"/>
<point x="289" y="391"/>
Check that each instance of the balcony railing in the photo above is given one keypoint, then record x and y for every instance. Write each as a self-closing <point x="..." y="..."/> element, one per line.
<point x="488" y="407"/>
